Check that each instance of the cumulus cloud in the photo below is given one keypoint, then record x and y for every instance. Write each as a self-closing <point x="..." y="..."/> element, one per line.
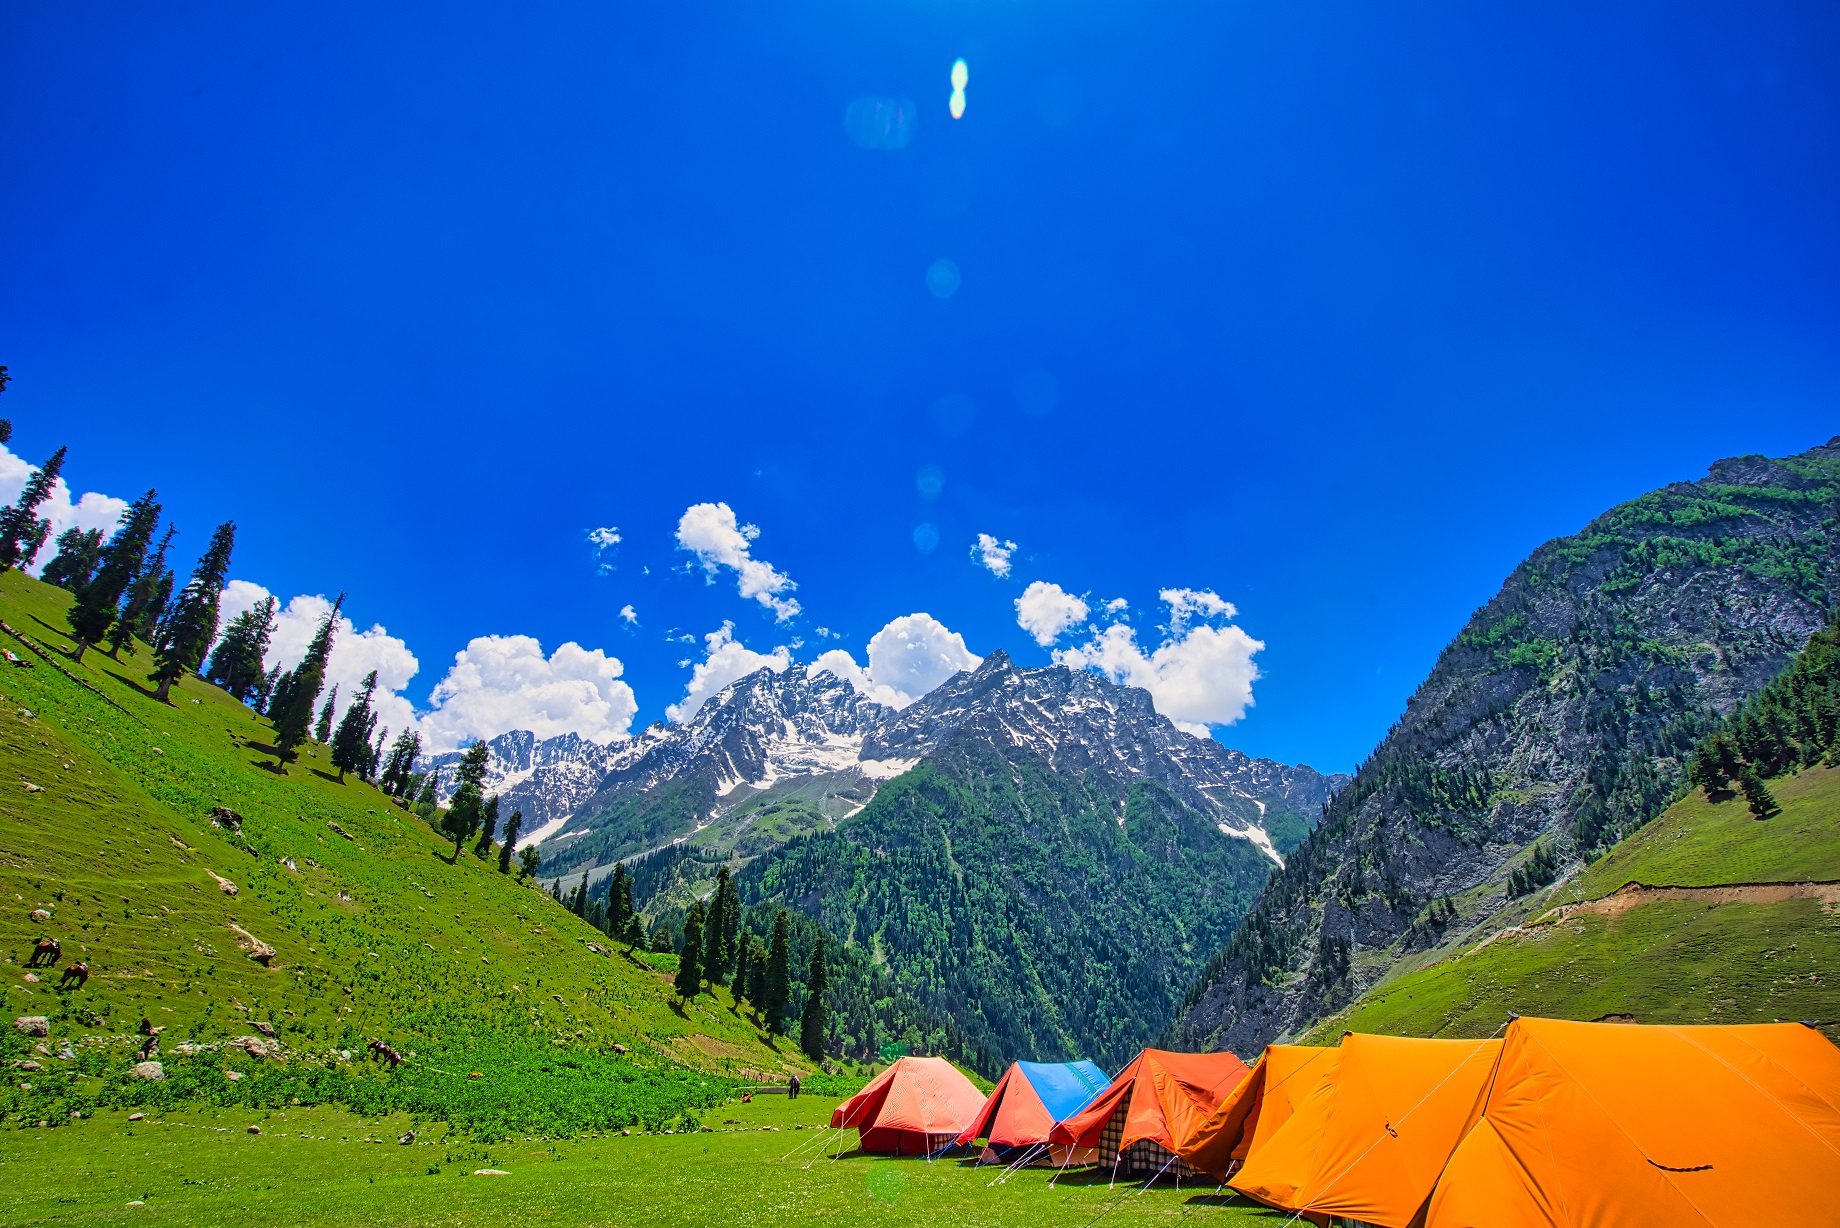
<point x="504" y="682"/>
<point x="1199" y="676"/>
<point x="907" y="658"/>
<point x="92" y="511"/>
<point x="711" y="532"/>
<point x="1117" y="605"/>
<point x="993" y="555"/>
<point x="354" y="653"/>
<point x="629" y="614"/>
<point x="724" y="660"/>
<point x="1046" y="610"/>
<point x="601" y="543"/>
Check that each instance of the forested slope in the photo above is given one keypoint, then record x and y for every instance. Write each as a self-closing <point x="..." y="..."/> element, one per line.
<point x="1561" y="717"/>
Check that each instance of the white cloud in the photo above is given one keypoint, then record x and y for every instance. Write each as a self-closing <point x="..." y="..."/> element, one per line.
<point x="1200" y="675"/>
<point x="601" y="542"/>
<point x="629" y="614"/>
<point x="992" y="554"/>
<point x="504" y="682"/>
<point x="92" y="511"/>
<point x="725" y="659"/>
<point x="710" y="531"/>
<point x="1186" y="604"/>
<point x="1117" y="605"/>
<point x="907" y="658"/>
<point x="354" y="653"/>
<point x="1046" y="610"/>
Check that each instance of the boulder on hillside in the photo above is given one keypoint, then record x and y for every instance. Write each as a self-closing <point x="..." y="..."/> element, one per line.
<point x="258" y="1046"/>
<point x="149" y="1070"/>
<point x="258" y="950"/>
<point x="223" y="884"/>
<point x="267" y="1029"/>
<point x="223" y="816"/>
<point x="33" y="1025"/>
<point x="41" y="914"/>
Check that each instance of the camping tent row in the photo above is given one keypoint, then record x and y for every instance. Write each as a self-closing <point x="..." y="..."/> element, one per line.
<point x="1556" y="1124"/>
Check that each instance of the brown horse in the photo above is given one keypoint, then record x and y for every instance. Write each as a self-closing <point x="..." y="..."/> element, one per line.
<point x="386" y="1053"/>
<point x="78" y="972"/>
<point x="46" y="953"/>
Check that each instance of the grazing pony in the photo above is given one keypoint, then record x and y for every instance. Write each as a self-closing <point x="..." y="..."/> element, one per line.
<point x="78" y="972"/>
<point x="45" y="954"/>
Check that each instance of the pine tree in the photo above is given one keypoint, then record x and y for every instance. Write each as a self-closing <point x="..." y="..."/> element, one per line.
<point x="468" y="804"/>
<point x="264" y="698"/>
<point x="716" y="953"/>
<point x="322" y="732"/>
<point x="488" y="828"/>
<point x="428" y="800"/>
<point x="528" y="859"/>
<point x="513" y="827"/>
<point x="744" y="960"/>
<point x="689" y="980"/>
<point x="19" y="524"/>
<point x="635" y="928"/>
<point x="661" y="940"/>
<point x="145" y="599"/>
<point x="731" y="919"/>
<point x="757" y="979"/>
<point x="1756" y="794"/>
<point x="292" y="712"/>
<point x="811" y="1022"/>
<point x="778" y="989"/>
<point x="618" y="900"/>
<point x="351" y="745"/>
<point x="75" y="561"/>
<point x="95" y="609"/>
<point x="375" y="754"/>
<point x="194" y="622"/>
<point x="236" y="663"/>
<point x="400" y="765"/>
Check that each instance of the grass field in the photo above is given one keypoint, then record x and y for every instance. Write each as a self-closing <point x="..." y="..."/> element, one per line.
<point x="1667" y="960"/>
<point x="376" y="934"/>
<point x="311" y="1166"/>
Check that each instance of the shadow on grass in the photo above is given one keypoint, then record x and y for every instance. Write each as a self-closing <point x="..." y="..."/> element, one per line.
<point x="326" y="776"/>
<point x="128" y="682"/>
<point x="61" y="632"/>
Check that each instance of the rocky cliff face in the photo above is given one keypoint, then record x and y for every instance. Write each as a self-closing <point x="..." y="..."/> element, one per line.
<point x="547" y="779"/>
<point x="1559" y="714"/>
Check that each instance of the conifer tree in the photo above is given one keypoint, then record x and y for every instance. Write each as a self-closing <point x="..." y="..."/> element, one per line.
<point x="293" y="715"/>
<point x="375" y="755"/>
<point x="689" y="980"/>
<point x="194" y="622"/>
<point x="1756" y="794"/>
<point x="617" y="901"/>
<point x="400" y="765"/>
<point x="757" y="979"/>
<point x="744" y="960"/>
<point x="264" y="698"/>
<point x="351" y="744"/>
<point x="95" y="609"/>
<point x="488" y="828"/>
<point x="75" y="561"/>
<point x="811" y="1022"/>
<point x="468" y="804"/>
<point x="716" y="952"/>
<point x="528" y="858"/>
<point x="661" y="940"/>
<point x="513" y="827"/>
<point x="428" y="800"/>
<point x="144" y="598"/>
<point x="635" y="928"/>
<point x="778" y="988"/>
<point x="322" y="732"/>
<point x="19" y="524"/>
<point x="731" y="919"/>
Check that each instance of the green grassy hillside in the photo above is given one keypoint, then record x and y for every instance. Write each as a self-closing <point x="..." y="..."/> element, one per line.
<point x="106" y="801"/>
<point x="1749" y="953"/>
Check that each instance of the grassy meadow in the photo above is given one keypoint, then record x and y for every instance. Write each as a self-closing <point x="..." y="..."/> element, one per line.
<point x="754" y="1167"/>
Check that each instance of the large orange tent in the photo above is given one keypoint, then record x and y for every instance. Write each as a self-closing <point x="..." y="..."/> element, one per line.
<point x="1397" y="1109"/>
<point x="1645" y="1126"/>
<point x="915" y="1107"/>
<point x="1284" y="1161"/>
<point x="1284" y="1076"/>
<point x="1160" y="1097"/>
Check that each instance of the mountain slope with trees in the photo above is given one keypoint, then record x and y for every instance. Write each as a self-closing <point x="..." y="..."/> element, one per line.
<point x="1559" y="721"/>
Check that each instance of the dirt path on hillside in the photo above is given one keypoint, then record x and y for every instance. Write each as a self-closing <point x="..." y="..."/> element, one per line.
<point x="1633" y="894"/>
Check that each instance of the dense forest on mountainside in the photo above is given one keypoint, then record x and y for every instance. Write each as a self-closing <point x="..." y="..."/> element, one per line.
<point x="1563" y="715"/>
<point x="1046" y="916"/>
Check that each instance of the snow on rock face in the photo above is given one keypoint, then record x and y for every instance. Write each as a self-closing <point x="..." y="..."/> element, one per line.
<point x="777" y="726"/>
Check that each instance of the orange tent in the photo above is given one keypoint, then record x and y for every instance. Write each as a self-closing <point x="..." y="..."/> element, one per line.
<point x="915" y="1107"/>
<point x="1593" y="1123"/>
<point x="1158" y="1098"/>
<point x="1283" y="1076"/>
<point x="1283" y="1161"/>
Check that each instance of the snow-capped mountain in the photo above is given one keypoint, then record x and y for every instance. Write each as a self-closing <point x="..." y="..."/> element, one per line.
<point x="778" y="755"/>
<point x="548" y="779"/>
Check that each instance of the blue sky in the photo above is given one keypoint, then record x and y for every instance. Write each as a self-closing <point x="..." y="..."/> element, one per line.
<point x="1335" y="311"/>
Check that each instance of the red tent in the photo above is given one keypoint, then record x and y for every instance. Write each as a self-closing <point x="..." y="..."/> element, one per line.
<point x="915" y="1107"/>
<point x="1159" y="1098"/>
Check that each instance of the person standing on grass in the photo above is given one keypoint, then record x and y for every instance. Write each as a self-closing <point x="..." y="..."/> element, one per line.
<point x="792" y="1088"/>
